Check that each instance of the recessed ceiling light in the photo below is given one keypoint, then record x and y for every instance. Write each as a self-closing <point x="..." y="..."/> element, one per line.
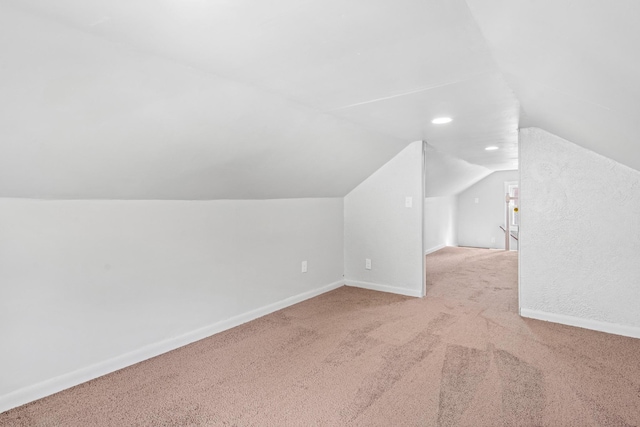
<point x="491" y="148"/>
<point x="441" y="120"/>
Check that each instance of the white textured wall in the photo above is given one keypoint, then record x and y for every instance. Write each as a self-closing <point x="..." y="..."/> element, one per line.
<point x="440" y="222"/>
<point x="479" y="222"/>
<point x="580" y="236"/>
<point x="84" y="282"/>
<point x="378" y="226"/>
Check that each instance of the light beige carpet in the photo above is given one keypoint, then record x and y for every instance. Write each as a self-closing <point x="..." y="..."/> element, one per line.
<point x="460" y="356"/>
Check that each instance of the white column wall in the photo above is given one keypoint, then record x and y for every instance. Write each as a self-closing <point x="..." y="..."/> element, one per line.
<point x="579" y="236"/>
<point x="379" y="226"/>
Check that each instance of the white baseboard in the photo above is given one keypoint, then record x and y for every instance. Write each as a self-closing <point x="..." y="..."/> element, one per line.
<point x="62" y="382"/>
<point x="596" y="325"/>
<point x="384" y="288"/>
<point x="435" y="248"/>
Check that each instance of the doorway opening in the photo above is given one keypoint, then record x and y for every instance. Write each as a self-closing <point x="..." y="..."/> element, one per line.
<point x="471" y="233"/>
<point x="512" y="218"/>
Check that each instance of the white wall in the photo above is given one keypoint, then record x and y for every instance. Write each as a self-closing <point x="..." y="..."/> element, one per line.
<point x="440" y="222"/>
<point x="378" y="226"/>
<point x="580" y="236"/>
<point x="478" y="223"/>
<point x="88" y="287"/>
<point x="445" y="177"/>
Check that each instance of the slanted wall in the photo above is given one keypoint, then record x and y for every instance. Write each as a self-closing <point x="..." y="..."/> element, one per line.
<point x="579" y="236"/>
<point x="379" y="226"/>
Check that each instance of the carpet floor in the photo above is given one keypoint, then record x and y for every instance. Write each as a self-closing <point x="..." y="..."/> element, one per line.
<point x="459" y="357"/>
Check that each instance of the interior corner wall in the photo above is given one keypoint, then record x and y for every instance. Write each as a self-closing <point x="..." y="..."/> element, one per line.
<point x="88" y="287"/>
<point x="378" y="226"/>
<point x="479" y="222"/>
<point x="440" y="223"/>
<point x="579" y="236"/>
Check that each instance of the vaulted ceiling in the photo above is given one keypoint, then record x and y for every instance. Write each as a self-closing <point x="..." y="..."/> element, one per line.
<point x="211" y="99"/>
<point x="573" y="65"/>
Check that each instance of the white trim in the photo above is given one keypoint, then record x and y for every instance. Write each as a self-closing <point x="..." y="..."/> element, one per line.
<point x="62" y="382"/>
<point x="423" y="180"/>
<point x="384" y="288"/>
<point x="520" y="225"/>
<point x="434" y="249"/>
<point x="596" y="325"/>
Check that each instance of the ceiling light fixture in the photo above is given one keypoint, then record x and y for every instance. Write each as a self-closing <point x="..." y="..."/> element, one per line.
<point x="441" y="120"/>
<point x="491" y="148"/>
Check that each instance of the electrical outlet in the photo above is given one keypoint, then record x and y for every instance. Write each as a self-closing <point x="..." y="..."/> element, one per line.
<point x="493" y="240"/>
<point x="304" y="266"/>
<point x="408" y="202"/>
<point x="367" y="264"/>
<point x="476" y="200"/>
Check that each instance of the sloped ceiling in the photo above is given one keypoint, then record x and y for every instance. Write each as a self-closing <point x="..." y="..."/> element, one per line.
<point x="573" y="66"/>
<point x="211" y="99"/>
<point x="447" y="175"/>
<point x="197" y="99"/>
